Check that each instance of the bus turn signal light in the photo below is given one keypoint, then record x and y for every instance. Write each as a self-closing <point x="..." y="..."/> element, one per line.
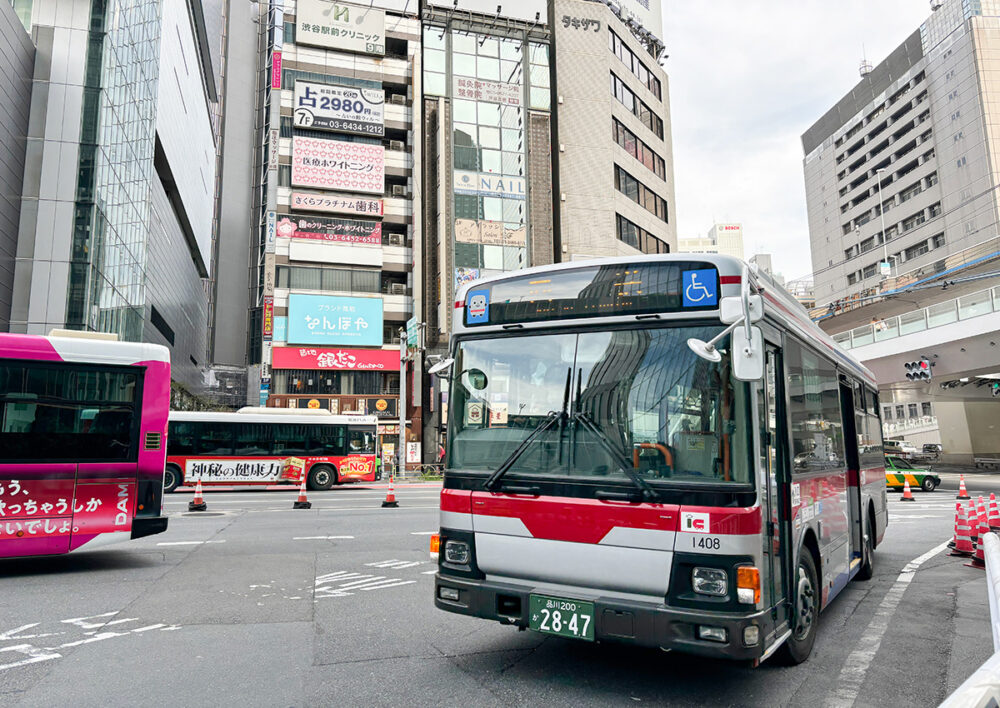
<point x="435" y="545"/>
<point x="748" y="585"/>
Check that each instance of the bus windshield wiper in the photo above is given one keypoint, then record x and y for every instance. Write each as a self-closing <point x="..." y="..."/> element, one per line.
<point x="546" y="423"/>
<point x="648" y="493"/>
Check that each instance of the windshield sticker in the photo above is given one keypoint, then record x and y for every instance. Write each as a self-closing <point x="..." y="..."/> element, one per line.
<point x="694" y="523"/>
<point x="700" y="288"/>
<point x="474" y="413"/>
<point x="477" y="307"/>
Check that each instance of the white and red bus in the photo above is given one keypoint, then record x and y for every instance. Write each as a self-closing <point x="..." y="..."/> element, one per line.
<point x="251" y="447"/>
<point x="82" y="425"/>
<point x="614" y="474"/>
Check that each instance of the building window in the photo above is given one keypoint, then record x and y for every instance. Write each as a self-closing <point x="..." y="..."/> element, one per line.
<point x="937" y="241"/>
<point x="638" y="69"/>
<point x="638" y="238"/>
<point x="638" y="149"/>
<point x="284" y="175"/>
<point x="912" y="409"/>
<point x="925" y="408"/>
<point x="852" y="278"/>
<point x="330" y="279"/>
<point x="910" y="192"/>
<point x="900" y="412"/>
<point x="869" y="271"/>
<point x="640" y="193"/>
<point x="914" y="221"/>
<point x="636" y="105"/>
<point x="916" y="250"/>
<point x="887" y="412"/>
<point x="933" y="210"/>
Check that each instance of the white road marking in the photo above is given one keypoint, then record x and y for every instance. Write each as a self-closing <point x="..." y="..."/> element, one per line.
<point x="187" y="543"/>
<point x="852" y="675"/>
<point x="318" y="538"/>
<point x="146" y="629"/>
<point x="393" y="563"/>
<point x="422" y="533"/>
<point x="34" y="654"/>
<point x="384" y="585"/>
<point x="429" y="572"/>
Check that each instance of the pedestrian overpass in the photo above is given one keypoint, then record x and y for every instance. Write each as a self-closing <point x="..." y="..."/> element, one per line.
<point x="961" y="338"/>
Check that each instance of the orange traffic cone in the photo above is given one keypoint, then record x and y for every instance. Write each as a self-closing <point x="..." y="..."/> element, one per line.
<point x="963" y="536"/>
<point x="958" y="512"/>
<point x="198" y="503"/>
<point x="962" y="493"/>
<point x="981" y="513"/>
<point x="993" y="513"/>
<point x="979" y="559"/>
<point x="390" y="494"/>
<point x="973" y="522"/>
<point x="907" y="494"/>
<point x="302" y="502"/>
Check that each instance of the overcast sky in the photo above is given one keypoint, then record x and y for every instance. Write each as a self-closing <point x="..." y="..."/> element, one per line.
<point x="746" y="80"/>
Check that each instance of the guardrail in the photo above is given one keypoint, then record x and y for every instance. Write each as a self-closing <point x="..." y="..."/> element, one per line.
<point x="987" y="462"/>
<point x="982" y="689"/>
<point x="982" y="302"/>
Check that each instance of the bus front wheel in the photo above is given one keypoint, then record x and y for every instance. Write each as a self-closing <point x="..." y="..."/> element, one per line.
<point x="798" y="646"/>
<point x="321" y="477"/>
<point x="171" y="478"/>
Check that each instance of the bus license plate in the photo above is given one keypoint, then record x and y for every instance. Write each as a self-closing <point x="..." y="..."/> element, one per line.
<point x="564" y="618"/>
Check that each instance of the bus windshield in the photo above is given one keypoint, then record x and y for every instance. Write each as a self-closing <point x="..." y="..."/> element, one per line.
<point x="625" y="397"/>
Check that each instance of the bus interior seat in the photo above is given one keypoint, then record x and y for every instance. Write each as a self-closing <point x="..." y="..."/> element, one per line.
<point x="695" y="452"/>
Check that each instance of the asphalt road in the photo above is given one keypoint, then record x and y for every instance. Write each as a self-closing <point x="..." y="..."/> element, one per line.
<point x="254" y="604"/>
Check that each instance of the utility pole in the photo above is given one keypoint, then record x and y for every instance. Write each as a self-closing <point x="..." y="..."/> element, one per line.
<point x="401" y="453"/>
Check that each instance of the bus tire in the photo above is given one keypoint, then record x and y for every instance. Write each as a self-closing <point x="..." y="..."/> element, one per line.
<point x="867" y="569"/>
<point x="172" y="478"/>
<point x="799" y="644"/>
<point x="321" y="477"/>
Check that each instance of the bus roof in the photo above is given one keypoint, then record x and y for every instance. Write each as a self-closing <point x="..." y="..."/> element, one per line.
<point x="235" y="417"/>
<point x="80" y="350"/>
<point x="779" y="305"/>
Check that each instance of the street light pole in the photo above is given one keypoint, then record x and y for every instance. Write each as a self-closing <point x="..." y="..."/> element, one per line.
<point x="401" y="453"/>
<point x="881" y="216"/>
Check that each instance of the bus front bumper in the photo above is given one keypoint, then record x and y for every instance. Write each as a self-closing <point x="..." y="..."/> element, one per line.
<point x="632" y="622"/>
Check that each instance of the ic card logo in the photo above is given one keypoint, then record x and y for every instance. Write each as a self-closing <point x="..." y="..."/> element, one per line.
<point x="693" y="522"/>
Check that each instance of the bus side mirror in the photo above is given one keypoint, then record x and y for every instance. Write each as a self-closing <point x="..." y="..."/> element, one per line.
<point x="441" y="368"/>
<point x="747" y="353"/>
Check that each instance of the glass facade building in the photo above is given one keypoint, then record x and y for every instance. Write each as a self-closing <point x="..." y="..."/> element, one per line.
<point x="117" y="142"/>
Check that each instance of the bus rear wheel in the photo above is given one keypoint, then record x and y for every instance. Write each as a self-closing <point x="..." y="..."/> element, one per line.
<point x="171" y="478"/>
<point x="321" y="477"/>
<point x="798" y="646"/>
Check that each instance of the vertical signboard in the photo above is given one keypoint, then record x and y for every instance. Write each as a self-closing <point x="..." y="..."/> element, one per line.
<point x="272" y="148"/>
<point x="276" y="69"/>
<point x="268" y="318"/>
<point x="269" y="270"/>
<point x="272" y="230"/>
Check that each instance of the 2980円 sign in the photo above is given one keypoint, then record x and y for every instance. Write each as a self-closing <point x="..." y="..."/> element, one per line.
<point x="340" y="108"/>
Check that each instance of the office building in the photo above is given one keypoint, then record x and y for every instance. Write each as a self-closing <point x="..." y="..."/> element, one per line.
<point x="17" y="59"/>
<point x="721" y="238"/>
<point x="118" y="200"/>
<point x="907" y="154"/>
<point x="331" y="263"/>
<point x="613" y="160"/>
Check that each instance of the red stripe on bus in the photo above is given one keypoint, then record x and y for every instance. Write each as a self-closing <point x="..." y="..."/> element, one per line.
<point x="730" y="279"/>
<point x="459" y="500"/>
<point x="459" y="304"/>
<point x="743" y="521"/>
<point x="577" y="520"/>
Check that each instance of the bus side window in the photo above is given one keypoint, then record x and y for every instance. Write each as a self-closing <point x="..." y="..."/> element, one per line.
<point x="360" y="442"/>
<point x="215" y="439"/>
<point x="290" y="439"/>
<point x="181" y="438"/>
<point x="327" y="441"/>
<point x="252" y="439"/>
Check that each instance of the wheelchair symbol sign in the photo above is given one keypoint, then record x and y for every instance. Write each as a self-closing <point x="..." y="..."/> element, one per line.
<point x="700" y="288"/>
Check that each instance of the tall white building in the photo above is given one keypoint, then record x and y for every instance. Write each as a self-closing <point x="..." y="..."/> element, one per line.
<point x="726" y="239"/>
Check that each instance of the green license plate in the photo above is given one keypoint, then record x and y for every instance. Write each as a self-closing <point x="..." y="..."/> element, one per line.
<point x="564" y="618"/>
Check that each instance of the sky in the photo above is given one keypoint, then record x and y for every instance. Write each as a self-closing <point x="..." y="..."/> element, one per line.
<point x="747" y="78"/>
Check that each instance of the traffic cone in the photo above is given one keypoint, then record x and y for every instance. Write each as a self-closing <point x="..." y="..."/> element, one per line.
<point x="954" y="538"/>
<point x="993" y="515"/>
<point x="198" y="503"/>
<point x="962" y="493"/>
<point x="973" y="522"/>
<point x="302" y="502"/>
<point x="907" y="494"/>
<point x="963" y="536"/>
<point x="390" y="494"/>
<point x="981" y="514"/>
<point x="979" y="559"/>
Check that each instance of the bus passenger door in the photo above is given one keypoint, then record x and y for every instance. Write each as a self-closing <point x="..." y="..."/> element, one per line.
<point x="848" y="393"/>
<point x="773" y="456"/>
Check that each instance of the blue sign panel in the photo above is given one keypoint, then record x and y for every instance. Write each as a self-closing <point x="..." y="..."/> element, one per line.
<point x="701" y="288"/>
<point x="477" y="307"/>
<point x="281" y="329"/>
<point x="327" y="319"/>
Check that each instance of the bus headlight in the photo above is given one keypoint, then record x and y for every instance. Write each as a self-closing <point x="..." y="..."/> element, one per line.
<point x="709" y="581"/>
<point x="456" y="552"/>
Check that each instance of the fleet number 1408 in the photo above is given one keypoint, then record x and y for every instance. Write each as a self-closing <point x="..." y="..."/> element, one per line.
<point x="707" y="543"/>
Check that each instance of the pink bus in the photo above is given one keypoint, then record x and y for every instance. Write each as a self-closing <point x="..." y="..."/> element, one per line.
<point x="83" y="422"/>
